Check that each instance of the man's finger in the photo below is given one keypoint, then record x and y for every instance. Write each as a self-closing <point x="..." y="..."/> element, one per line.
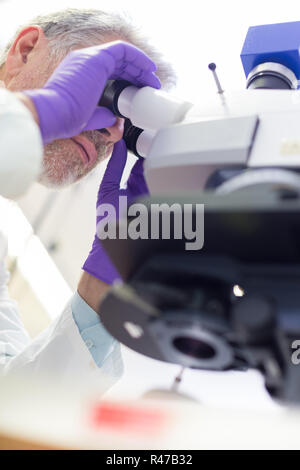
<point x="101" y="118"/>
<point x="124" y="52"/>
<point x="144" y="78"/>
<point x="136" y="181"/>
<point x="115" y="167"/>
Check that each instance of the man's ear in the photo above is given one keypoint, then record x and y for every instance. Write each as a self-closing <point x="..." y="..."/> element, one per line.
<point x="26" y="42"/>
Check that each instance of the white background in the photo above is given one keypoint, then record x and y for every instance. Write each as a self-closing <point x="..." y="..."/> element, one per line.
<point x="191" y="33"/>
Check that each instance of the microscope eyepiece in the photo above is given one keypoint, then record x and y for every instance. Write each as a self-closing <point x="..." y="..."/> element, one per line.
<point x="130" y="136"/>
<point x="145" y="109"/>
<point x="111" y="93"/>
<point x="109" y="99"/>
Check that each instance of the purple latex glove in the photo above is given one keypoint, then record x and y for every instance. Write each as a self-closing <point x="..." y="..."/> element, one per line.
<point x="67" y="105"/>
<point x="98" y="263"/>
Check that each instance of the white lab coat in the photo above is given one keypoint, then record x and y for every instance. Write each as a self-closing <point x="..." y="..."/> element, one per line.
<point x="59" y="351"/>
<point x="21" y="146"/>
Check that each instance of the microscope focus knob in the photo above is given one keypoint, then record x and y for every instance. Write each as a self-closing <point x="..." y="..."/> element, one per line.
<point x="254" y="319"/>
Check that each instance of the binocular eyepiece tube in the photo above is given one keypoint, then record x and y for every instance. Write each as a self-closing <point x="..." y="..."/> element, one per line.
<point x="145" y="110"/>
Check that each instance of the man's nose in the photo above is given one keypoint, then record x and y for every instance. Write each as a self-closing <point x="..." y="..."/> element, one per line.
<point x="115" y="132"/>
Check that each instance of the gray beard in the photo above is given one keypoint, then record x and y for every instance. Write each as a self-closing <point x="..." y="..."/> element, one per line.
<point x="54" y="176"/>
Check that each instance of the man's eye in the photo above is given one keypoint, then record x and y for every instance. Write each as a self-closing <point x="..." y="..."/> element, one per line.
<point x="103" y="131"/>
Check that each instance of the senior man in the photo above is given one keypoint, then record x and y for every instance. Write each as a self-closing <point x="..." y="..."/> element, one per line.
<point x="76" y="344"/>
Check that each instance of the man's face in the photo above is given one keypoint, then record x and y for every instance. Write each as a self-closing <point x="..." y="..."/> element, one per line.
<point x="65" y="160"/>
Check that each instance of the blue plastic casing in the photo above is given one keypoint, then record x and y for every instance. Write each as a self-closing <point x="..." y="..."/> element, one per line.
<point x="272" y="43"/>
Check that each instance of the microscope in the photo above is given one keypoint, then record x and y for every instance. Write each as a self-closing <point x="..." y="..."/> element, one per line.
<point x="234" y="303"/>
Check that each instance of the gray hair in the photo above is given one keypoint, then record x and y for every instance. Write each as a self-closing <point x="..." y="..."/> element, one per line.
<point x="74" y="28"/>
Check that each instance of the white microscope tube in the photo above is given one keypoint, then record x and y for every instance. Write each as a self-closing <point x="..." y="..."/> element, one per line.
<point x="148" y="108"/>
<point x="144" y="142"/>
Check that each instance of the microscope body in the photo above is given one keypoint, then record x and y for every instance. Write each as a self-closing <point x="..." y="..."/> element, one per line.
<point x="196" y="147"/>
<point x="233" y="304"/>
<point x="253" y="129"/>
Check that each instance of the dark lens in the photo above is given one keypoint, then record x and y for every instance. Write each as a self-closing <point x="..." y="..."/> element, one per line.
<point x="269" y="82"/>
<point x="194" y="347"/>
<point x="111" y="93"/>
<point x="130" y="136"/>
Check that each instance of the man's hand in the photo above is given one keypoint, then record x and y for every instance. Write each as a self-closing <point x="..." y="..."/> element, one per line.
<point x="100" y="273"/>
<point x="68" y="103"/>
<point x="92" y="290"/>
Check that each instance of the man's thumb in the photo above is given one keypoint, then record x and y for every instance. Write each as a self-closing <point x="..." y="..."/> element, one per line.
<point x="115" y="167"/>
<point x="101" y="118"/>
